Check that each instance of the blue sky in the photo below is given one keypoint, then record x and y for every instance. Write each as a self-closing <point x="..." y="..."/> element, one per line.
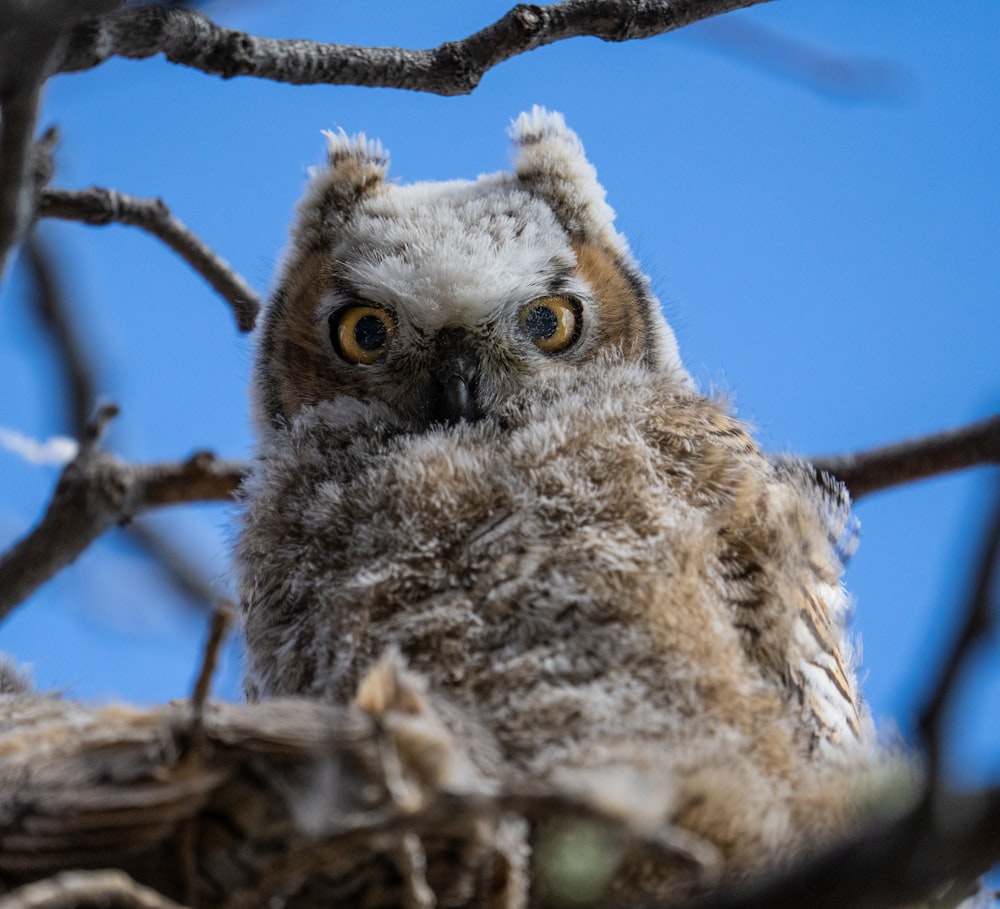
<point x="826" y="256"/>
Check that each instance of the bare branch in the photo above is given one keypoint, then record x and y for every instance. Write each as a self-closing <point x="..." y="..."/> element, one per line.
<point x="849" y="76"/>
<point x="97" y="491"/>
<point x="978" y="622"/>
<point x="916" y="459"/>
<point x="50" y="304"/>
<point x="291" y="790"/>
<point x="72" y="889"/>
<point x="31" y="39"/>
<point x="188" y="37"/>
<point x="100" y="206"/>
<point x="222" y="618"/>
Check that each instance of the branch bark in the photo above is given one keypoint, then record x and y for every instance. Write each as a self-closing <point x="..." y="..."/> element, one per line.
<point x="282" y="796"/>
<point x="99" y="206"/>
<point x="97" y="491"/>
<point x="916" y="459"/>
<point x="189" y="38"/>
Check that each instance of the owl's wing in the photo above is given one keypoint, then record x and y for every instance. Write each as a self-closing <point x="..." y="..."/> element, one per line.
<point x="824" y="664"/>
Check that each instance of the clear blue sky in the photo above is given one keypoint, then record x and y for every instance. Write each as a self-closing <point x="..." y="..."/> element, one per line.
<point x="826" y="255"/>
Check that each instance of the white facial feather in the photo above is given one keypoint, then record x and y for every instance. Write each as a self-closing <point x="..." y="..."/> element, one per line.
<point x="458" y="253"/>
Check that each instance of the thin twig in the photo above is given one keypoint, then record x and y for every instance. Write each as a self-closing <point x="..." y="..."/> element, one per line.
<point x="222" y="618"/>
<point x="916" y="459"/>
<point x="99" y="206"/>
<point x="188" y="37"/>
<point x="71" y="889"/>
<point x="978" y="622"/>
<point x="96" y="491"/>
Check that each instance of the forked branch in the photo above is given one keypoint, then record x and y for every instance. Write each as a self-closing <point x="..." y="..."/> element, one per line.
<point x="96" y="491"/>
<point x="188" y="37"/>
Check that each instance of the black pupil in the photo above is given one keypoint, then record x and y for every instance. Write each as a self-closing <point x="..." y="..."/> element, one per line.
<point x="370" y="332"/>
<point x="541" y="322"/>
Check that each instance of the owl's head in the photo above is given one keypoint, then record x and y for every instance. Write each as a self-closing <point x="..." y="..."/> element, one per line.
<point x="441" y="300"/>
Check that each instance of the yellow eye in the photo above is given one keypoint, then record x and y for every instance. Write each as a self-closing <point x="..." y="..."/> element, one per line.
<point x="362" y="334"/>
<point x="552" y="323"/>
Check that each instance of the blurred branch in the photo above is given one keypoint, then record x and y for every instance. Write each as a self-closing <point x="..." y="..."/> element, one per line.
<point x="978" y="622"/>
<point x="100" y="206"/>
<point x="97" y="491"/>
<point x="849" y="76"/>
<point x="50" y="304"/>
<point x="916" y="459"/>
<point x="79" y="384"/>
<point x="188" y="37"/>
<point x="30" y="37"/>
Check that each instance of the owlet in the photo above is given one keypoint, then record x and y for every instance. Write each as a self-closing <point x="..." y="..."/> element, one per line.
<point x="479" y="454"/>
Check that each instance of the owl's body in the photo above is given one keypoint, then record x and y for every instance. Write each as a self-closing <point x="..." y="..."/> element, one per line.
<point x="479" y="449"/>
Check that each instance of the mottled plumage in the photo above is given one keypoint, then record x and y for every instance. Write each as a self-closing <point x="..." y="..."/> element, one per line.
<point x="478" y="447"/>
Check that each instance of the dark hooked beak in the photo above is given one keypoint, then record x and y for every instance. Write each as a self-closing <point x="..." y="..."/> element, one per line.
<point x="453" y="379"/>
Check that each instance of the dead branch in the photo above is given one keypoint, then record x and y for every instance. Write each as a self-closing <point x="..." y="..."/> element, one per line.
<point x="99" y="206"/>
<point x="97" y="491"/>
<point x="916" y="459"/>
<point x="188" y="37"/>
<point x="285" y="797"/>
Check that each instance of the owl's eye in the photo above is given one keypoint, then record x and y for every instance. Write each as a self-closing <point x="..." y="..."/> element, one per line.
<point x="552" y="323"/>
<point x="362" y="334"/>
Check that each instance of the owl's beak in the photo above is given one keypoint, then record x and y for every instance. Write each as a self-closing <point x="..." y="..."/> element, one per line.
<point x="453" y="379"/>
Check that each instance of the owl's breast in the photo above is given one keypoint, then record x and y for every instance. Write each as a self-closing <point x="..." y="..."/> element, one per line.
<point x="562" y="571"/>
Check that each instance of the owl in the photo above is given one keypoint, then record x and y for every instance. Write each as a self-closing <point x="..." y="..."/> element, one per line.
<point x="481" y="459"/>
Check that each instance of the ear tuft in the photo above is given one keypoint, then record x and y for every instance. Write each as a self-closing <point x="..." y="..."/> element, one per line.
<point x="550" y="163"/>
<point x="355" y="169"/>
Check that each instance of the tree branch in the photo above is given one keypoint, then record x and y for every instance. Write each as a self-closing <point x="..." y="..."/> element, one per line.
<point x="97" y="491"/>
<point x="31" y="39"/>
<point x="78" y="382"/>
<point x="291" y="791"/>
<point x="100" y="206"/>
<point x="978" y="621"/>
<point x="892" y="465"/>
<point x="73" y="889"/>
<point x="188" y="37"/>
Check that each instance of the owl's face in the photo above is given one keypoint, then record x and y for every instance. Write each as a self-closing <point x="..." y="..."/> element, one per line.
<point x="441" y="300"/>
